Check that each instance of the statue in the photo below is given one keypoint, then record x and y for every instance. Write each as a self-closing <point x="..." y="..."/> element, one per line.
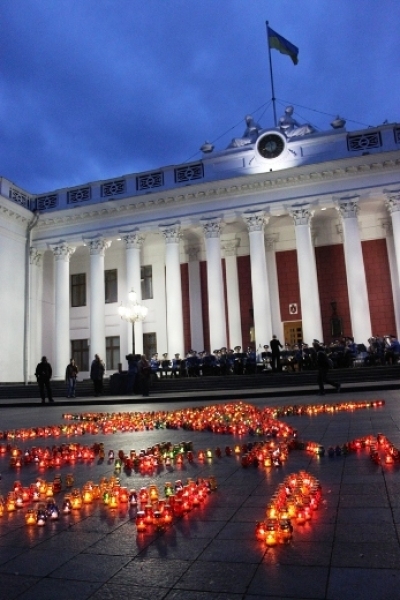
<point x="290" y="127"/>
<point x="250" y="134"/>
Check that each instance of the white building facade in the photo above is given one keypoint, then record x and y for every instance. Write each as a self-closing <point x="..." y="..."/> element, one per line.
<point x="263" y="238"/>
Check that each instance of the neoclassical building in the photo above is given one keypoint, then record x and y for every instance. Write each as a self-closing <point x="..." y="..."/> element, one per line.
<point x="288" y="231"/>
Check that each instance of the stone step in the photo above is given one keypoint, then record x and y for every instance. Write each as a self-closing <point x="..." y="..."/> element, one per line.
<point x="116" y="385"/>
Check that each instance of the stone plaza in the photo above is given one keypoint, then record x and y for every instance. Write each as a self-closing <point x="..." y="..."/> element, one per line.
<point x="348" y="550"/>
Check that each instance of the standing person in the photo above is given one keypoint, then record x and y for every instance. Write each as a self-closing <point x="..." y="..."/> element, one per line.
<point x="323" y="366"/>
<point x="275" y="346"/>
<point x="97" y="370"/>
<point x="133" y="360"/>
<point x="43" y="375"/>
<point x="144" y="372"/>
<point x="71" y="374"/>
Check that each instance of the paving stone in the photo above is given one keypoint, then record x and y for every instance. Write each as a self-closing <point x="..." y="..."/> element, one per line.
<point x="289" y="581"/>
<point x="359" y="584"/>
<point x="151" y="572"/>
<point x="217" y="577"/>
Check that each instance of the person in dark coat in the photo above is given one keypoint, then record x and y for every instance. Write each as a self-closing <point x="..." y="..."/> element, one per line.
<point x="71" y="373"/>
<point x="133" y="360"/>
<point x="323" y="366"/>
<point x="43" y="375"/>
<point x="97" y="370"/>
<point x="144" y="373"/>
<point x="275" y="346"/>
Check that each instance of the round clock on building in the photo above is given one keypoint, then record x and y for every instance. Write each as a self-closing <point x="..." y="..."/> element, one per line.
<point x="270" y="145"/>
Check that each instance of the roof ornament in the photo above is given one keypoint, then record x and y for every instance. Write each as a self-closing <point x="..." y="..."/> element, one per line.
<point x="207" y="147"/>
<point x="338" y="123"/>
<point x="290" y="127"/>
<point x="250" y="134"/>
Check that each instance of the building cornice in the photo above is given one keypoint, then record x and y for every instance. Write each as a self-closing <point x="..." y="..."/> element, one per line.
<point x="244" y="186"/>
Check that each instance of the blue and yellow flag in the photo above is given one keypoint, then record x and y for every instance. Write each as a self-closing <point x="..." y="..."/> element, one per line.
<point x="283" y="45"/>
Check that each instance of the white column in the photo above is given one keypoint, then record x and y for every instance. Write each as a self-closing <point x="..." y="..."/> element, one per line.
<point x="97" y="248"/>
<point x="36" y="274"/>
<point x="355" y="272"/>
<point x="216" y="298"/>
<point x="394" y="273"/>
<point x="196" y="309"/>
<point x="272" y="271"/>
<point x="233" y="294"/>
<point x="393" y="206"/>
<point x="259" y="277"/>
<point x="134" y="242"/>
<point x="62" y="254"/>
<point x="308" y="281"/>
<point x="173" y="285"/>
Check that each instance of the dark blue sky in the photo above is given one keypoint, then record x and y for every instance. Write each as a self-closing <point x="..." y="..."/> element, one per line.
<point x="94" y="89"/>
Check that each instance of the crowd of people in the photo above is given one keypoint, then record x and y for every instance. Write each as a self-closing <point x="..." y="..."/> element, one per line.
<point x="274" y="357"/>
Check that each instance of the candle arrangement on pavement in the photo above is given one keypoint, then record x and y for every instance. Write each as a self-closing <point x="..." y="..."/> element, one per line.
<point x="152" y="510"/>
<point x="237" y="418"/>
<point x="292" y="505"/>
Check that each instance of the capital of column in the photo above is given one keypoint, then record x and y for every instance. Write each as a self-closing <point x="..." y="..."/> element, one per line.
<point x="255" y="221"/>
<point x="230" y="247"/>
<point x="62" y="251"/>
<point x="348" y="207"/>
<point x="133" y="240"/>
<point x="193" y="253"/>
<point x="98" y="246"/>
<point x="392" y="200"/>
<point x="171" y="233"/>
<point x="35" y="257"/>
<point x="211" y="228"/>
<point x="301" y="215"/>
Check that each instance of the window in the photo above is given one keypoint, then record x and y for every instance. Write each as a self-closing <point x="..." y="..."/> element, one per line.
<point x="111" y="285"/>
<point x="80" y="352"/>
<point x="146" y="276"/>
<point x="149" y="344"/>
<point x="78" y="289"/>
<point x="112" y="353"/>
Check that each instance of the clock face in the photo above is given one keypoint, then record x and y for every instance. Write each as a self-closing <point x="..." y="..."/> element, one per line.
<point x="270" y="145"/>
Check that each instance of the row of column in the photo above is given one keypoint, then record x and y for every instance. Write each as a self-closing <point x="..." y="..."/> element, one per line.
<point x="263" y="280"/>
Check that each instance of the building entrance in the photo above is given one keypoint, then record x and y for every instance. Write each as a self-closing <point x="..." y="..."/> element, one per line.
<point x="293" y="332"/>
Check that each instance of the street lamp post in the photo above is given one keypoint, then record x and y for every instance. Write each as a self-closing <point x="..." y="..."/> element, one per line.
<point x="132" y="313"/>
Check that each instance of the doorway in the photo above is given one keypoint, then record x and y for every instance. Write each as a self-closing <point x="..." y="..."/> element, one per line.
<point x="293" y="332"/>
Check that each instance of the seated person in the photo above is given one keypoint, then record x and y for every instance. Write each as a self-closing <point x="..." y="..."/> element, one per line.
<point x="251" y="361"/>
<point x="176" y="365"/>
<point x="221" y="360"/>
<point x="297" y="360"/>
<point x="155" y="365"/>
<point x="350" y="352"/>
<point x="193" y="364"/>
<point x="230" y="361"/>
<point x="392" y="352"/>
<point x="287" y="357"/>
<point x="165" y="365"/>
<point x="209" y="364"/>
<point x="238" y="360"/>
<point x="266" y="357"/>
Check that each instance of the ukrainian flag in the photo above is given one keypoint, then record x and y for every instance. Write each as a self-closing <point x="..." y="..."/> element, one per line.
<point x="283" y="45"/>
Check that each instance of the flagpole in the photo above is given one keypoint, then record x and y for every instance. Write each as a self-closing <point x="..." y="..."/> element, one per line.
<point x="272" y="79"/>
